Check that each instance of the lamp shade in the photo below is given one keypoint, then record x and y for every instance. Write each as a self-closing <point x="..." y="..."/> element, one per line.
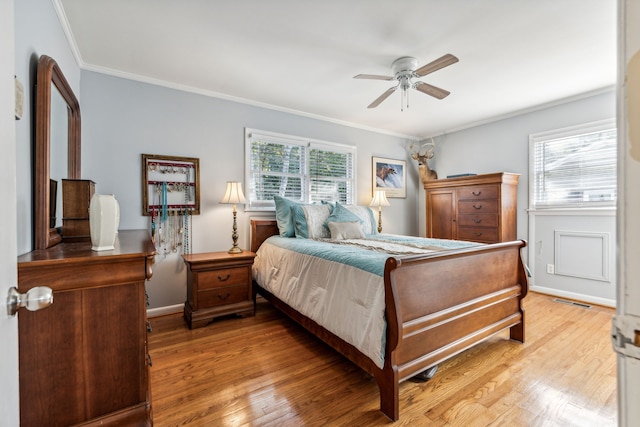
<point x="380" y="199"/>
<point x="233" y="194"/>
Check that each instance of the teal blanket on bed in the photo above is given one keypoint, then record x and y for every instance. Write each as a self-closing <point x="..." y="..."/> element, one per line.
<point x="367" y="254"/>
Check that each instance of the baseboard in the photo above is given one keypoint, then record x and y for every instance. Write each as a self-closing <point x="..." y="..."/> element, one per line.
<point x="163" y="311"/>
<point x="575" y="296"/>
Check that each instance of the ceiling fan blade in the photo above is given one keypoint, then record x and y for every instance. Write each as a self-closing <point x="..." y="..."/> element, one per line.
<point x="382" y="97"/>
<point x="373" y="77"/>
<point x="436" y="92"/>
<point x="441" y="62"/>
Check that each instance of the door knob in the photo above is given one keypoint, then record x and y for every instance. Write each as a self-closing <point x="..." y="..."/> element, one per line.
<point x="34" y="299"/>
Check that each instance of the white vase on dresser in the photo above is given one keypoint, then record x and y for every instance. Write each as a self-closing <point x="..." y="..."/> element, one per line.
<point x="104" y="218"/>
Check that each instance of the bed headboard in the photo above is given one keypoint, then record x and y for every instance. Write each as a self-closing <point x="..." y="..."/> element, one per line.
<point x="261" y="229"/>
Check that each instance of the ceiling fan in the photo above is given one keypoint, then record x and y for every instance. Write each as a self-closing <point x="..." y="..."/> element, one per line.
<point x="406" y="68"/>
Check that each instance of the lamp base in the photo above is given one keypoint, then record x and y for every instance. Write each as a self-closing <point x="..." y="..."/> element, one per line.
<point x="235" y="250"/>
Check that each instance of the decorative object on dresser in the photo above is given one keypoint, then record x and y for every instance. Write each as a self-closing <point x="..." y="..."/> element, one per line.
<point x="422" y="154"/>
<point x="83" y="360"/>
<point x="379" y="200"/>
<point x="218" y="284"/>
<point x="76" y="197"/>
<point x="104" y="219"/>
<point x="480" y="208"/>
<point x="233" y="196"/>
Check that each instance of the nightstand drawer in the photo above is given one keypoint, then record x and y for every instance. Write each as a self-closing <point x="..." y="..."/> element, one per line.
<point x="224" y="277"/>
<point x="223" y="296"/>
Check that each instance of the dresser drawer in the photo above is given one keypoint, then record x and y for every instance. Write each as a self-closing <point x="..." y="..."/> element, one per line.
<point x="478" y="206"/>
<point x="478" y="192"/>
<point x="478" y="220"/>
<point x="223" y="296"/>
<point x="224" y="277"/>
<point x="478" y="234"/>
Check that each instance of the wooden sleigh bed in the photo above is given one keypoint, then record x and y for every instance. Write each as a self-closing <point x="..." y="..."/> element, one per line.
<point x="436" y="306"/>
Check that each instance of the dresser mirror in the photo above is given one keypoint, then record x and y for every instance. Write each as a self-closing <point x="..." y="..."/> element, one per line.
<point x="57" y="149"/>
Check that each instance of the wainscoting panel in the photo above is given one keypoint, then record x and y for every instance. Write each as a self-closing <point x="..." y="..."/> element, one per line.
<point x="582" y="254"/>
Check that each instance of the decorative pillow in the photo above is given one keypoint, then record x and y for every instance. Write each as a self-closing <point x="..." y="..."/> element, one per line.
<point x="309" y="221"/>
<point x="346" y="230"/>
<point x="342" y="214"/>
<point x="369" y="224"/>
<point x="284" y="217"/>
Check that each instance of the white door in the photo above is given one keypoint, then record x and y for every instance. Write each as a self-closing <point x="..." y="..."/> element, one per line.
<point x="627" y="321"/>
<point x="9" y="402"/>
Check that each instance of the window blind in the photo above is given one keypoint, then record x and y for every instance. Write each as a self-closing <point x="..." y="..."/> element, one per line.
<point x="576" y="169"/>
<point x="299" y="169"/>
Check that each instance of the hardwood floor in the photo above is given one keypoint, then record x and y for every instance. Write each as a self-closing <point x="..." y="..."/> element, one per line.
<point x="268" y="371"/>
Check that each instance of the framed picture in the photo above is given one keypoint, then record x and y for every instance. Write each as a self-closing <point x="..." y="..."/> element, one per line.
<point x="170" y="182"/>
<point x="389" y="175"/>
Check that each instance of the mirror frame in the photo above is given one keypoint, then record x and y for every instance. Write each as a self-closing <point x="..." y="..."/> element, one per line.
<point x="48" y="74"/>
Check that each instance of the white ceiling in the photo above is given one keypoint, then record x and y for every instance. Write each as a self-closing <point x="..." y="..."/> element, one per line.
<point x="301" y="55"/>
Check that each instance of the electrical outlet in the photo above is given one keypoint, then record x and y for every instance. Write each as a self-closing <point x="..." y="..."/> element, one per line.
<point x="550" y="269"/>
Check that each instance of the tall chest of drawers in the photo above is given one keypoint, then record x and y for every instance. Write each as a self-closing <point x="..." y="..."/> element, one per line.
<point x="480" y="208"/>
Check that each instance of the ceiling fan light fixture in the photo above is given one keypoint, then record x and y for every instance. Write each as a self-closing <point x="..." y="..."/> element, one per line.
<point x="404" y="69"/>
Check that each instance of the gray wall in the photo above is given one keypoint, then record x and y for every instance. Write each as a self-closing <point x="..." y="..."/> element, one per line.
<point x="37" y="32"/>
<point x="123" y="119"/>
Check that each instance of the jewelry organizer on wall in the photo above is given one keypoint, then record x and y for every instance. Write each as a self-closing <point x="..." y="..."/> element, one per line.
<point x="170" y="197"/>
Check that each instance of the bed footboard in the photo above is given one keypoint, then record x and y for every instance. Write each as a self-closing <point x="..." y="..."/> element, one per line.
<point x="440" y="305"/>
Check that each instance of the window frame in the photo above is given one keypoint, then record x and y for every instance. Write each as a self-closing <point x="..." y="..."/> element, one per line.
<point x="309" y="144"/>
<point x="567" y="132"/>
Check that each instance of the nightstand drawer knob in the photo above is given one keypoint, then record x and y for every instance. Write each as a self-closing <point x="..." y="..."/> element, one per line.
<point x="224" y="297"/>
<point x="225" y="279"/>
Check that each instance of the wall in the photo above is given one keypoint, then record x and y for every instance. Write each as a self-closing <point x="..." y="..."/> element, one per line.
<point x="503" y="145"/>
<point x="37" y="32"/>
<point x="123" y="119"/>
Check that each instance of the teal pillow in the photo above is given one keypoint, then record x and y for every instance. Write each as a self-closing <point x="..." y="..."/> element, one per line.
<point x="342" y="214"/>
<point x="284" y="217"/>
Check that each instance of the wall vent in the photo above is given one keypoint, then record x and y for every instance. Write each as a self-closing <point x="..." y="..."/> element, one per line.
<point x="565" y="301"/>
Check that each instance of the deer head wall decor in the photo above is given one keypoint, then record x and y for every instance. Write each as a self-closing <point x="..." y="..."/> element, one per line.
<point x="424" y="153"/>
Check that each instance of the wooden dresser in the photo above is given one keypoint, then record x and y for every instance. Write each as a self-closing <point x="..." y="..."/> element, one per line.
<point x="480" y="208"/>
<point x="84" y="360"/>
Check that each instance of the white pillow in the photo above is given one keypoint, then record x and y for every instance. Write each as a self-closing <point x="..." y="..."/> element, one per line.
<point x="308" y="221"/>
<point x="345" y="230"/>
<point x="369" y="224"/>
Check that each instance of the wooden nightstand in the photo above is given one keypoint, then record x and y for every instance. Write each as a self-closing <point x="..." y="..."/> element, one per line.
<point x="218" y="283"/>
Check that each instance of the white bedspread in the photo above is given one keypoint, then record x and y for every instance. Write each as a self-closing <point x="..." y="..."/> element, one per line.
<point x="339" y="286"/>
<point x="346" y="300"/>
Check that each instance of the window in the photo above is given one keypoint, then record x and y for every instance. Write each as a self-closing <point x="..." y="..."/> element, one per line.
<point x="574" y="167"/>
<point x="300" y="169"/>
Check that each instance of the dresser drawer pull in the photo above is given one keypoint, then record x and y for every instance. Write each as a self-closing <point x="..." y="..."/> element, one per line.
<point x="476" y="194"/>
<point x="477" y="221"/>
<point x="477" y="207"/>
<point x="225" y="279"/>
<point x="224" y="297"/>
<point x="150" y="362"/>
<point x="478" y="234"/>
